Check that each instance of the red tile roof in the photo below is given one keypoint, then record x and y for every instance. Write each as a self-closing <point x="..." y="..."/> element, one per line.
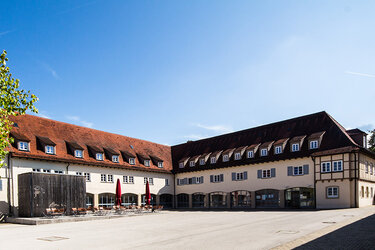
<point x="31" y="127"/>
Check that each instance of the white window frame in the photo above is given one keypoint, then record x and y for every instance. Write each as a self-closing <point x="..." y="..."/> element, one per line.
<point x="366" y="167"/>
<point x="23" y="146"/>
<point x="132" y="161"/>
<point x="125" y="179"/>
<point x="295" y="147"/>
<point x="87" y="176"/>
<point x="314" y="144"/>
<point x="131" y="179"/>
<point x="49" y="149"/>
<point x="216" y="178"/>
<point x="263" y="152"/>
<point x="237" y="156"/>
<point x="160" y="164"/>
<point x="213" y="160"/>
<point x="145" y="179"/>
<point x="332" y="192"/>
<point x="225" y="158"/>
<point x="78" y="153"/>
<point x="99" y="156"/>
<point x="146" y="163"/>
<point x="181" y="165"/>
<point x="47" y="171"/>
<point x="115" y="158"/>
<point x="325" y="167"/>
<point x="198" y="180"/>
<point x="103" y="178"/>
<point x="298" y="170"/>
<point x="110" y="178"/>
<point x="151" y="181"/>
<point x="335" y="166"/>
<point x="191" y="163"/>
<point x="266" y="173"/>
<point x="239" y="176"/>
<point x="278" y="150"/>
<point x="202" y="161"/>
<point x="250" y="154"/>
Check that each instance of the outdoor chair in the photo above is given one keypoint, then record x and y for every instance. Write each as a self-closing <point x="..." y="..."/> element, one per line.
<point x="82" y="211"/>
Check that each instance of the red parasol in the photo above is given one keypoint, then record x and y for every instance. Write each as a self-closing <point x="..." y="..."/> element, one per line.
<point x="148" y="194"/>
<point x="118" y="193"/>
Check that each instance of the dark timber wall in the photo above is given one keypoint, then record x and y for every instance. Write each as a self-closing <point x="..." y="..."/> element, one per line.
<point x="37" y="191"/>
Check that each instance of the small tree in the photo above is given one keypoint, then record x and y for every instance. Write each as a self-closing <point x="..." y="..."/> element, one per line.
<point x="371" y="142"/>
<point x="13" y="102"/>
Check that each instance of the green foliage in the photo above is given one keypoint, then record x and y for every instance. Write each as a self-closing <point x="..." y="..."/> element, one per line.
<point x="371" y="142"/>
<point x="13" y="102"/>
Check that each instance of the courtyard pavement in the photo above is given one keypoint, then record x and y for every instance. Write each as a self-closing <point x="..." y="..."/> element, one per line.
<point x="323" y="229"/>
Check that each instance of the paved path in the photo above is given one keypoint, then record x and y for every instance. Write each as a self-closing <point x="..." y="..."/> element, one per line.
<point x="180" y="230"/>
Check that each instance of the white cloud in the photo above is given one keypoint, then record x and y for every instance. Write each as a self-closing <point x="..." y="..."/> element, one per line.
<point x="194" y="137"/>
<point x="78" y="120"/>
<point x="359" y="74"/>
<point x="6" y="32"/>
<point x="53" y="72"/>
<point x="215" y="128"/>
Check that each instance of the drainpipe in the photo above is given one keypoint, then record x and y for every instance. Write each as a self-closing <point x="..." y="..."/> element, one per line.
<point x="174" y="191"/>
<point x="67" y="168"/>
<point x="9" y="183"/>
<point x="313" y="159"/>
<point x="355" y="180"/>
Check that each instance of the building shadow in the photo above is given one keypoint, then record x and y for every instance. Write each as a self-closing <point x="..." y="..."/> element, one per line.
<point x="358" y="235"/>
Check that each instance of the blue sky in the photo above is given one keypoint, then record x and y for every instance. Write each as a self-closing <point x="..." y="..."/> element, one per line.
<point x="170" y="71"/>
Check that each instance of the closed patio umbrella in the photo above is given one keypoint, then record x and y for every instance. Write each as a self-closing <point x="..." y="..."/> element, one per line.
<point x="118" y="193"/>
<point x="148" y="194"/>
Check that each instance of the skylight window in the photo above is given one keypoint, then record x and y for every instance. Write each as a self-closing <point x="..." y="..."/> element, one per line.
<point x="147" y="163"/>
<point x="160" y="164"/>
<point x="132" y="161"/>
<point x="237" y="156"/>
<point x="181" y="165"/>
<point x="99" y="156"/>
<point x="250" y="154"/>
<point x="314" y="144"/>
<point x="201" y="161"/>
<point x="295" y="147"/>
<point x="78" y="153"/>
<point x="24" y="146"/>
<point x="115" y="158"/>
<point x="263" y="152"/>
<point x="50" y="150"/>
<point x="225" y="158"/>
<point x="192" y="163"/>
<point x="213" y="160"/>
<point x="278" y="150"/>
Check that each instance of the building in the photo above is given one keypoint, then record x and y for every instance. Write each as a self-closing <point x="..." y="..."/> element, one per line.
<point x="305" y="162"/>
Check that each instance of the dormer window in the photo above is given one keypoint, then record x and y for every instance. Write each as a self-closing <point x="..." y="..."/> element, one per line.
<point x="99" y="156"/>
<point x="115" y="158"/>
<point x="213" y="160"/>
<point x="201" y="162"/>
<point x="24" y="146"/>
<point x="181" y="165"/>
<point x="314" y="144"/>
<point x="146" y="163"/>
<point x="237" y="156"/>
<point x="192" y="164"/>
<point x="278" y="150"/>
<point x="225" y="158"/>
<point x="160" y="164"/>
<point x="263" y="152"/>
<point x="250" y="154"/>
<point x="50" y="149"/>
<point x="78" y="153"/>
<point x="295" y="147"/>
<point x="132" y="161"/>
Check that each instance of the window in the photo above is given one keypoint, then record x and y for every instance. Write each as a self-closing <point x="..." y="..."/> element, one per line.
<point x="167" y="182"/>
<point x="337" y="166"/>
<point x="325" y="167"/>
<point x="131" y="179"/>
<point x="192" y="163"/>
<point x="125" y="179"/>
<point x="332" y="192"/>
<point x="99" y="156"/>
<point x="239" y="176"/>
<point x="225" y="158"/>
<point x="213" y="160"/>
<point x="201" y="161"/>
<point x="110" y="178"/>
<point x="362" y="192"/>
<point x="298" y="170"/>
<point x="190" y="181"/>
<point x="87" y="176"/>
<point x="217" y="178"/>
<point x="115" y="158"/>
<point x="58" y="171"/>
<point x="199" y="180"/>
<point x="46" y="170"/>
<point x="366" y="167"/>
<point x="147" y="163"/>
<point x="266" y="173"/>
<point x="314" y="144"/>
<point x="132" y="161"/>
<point x="103" y="178"/>
<point x="24" y="146"/>
<point x="160" y="164"/>
<point x="250" y="154"/>
<point x="278" y="150"/>
<point x="78" y="173"/>
<point x="295" y="147"/>
<point x="181" y="165"/>
<point x="36" y="169"/>
<point x="263" y="152"/>
<point x="78" y="153"/>
<point x="50" y="150"/>
<point x="237" y="156"/>
<point x="145" y="180"/>
<point x="151" y="181"/>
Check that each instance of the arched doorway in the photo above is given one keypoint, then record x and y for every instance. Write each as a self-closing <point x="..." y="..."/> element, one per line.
<point x="153" y="199"/>
<point x="299" y="197"/>
<point x="218" y="200"/>
<point x="107" y="200"/>
<point x="129" y="199"/>
<point x="182" y="200"/>
<point x="240" y="199"/>
<point x="267" y="198"/>
<point x="89" y="200"/>
<point x="198" y="200"/>
<point x="166" y="200"/>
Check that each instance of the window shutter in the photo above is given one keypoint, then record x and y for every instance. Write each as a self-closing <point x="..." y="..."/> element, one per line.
<point x="1" y="185"/>
<point x="259" y="174"/>
<point x="305" y="169"/>
<point x="233" y="176"/>
<point x="194" y="180"/>
<point x="221" y="177"/>
<point x="290" y="171"/>
<point x="211" y="178"/>
<point x="273" y="172"/>
<point x="201" y="179"/>
<point x="178" y="182"/>
<point x="245" y="175"/>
